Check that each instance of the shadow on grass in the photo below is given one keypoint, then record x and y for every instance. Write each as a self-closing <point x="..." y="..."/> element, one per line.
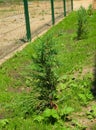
<point x="94" y="78"/>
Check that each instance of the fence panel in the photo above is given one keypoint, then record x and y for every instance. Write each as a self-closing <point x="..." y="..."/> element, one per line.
<point x="40" y="15"/>
<point x="12" y="25"/>
<point x="12" y="20"/>
<point x="69" y="6"/>
<point x="59" y="9"/>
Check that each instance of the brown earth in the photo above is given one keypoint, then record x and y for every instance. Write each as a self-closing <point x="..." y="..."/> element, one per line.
<point x="94" y="4"/>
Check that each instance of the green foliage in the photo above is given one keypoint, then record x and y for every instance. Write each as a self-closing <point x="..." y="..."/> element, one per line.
<point x="78" y="126"/>
<point x="90" y="10"/>
<point x="44" y="68"/>
<point x="93" y="127"/>
<point x="26" y="105"/>
<point x="42" y="78"/>
<point x="23" y="124"/>
<point x="54" y="115"/>
<point x="3" y="123"/>
<point x="67" y="91"/>
<point x="82" y="29"/>
<point x="48" y="116"/>
<point x="66" y="111"/>
<point x="73" y="86"/>
<point x="92" y="113"/>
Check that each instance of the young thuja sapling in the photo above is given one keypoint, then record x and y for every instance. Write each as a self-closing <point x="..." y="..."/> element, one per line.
<point x="82" y="21"/>
<point x="44" y="70"/>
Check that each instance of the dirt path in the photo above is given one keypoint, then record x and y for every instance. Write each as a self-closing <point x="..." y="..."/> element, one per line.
<point x="12" y="22"/>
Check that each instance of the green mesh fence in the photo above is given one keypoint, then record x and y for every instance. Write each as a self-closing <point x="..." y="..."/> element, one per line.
<point x="58" y="9"/>
<point x="69" y="6"/>
<point x="40" y="16"/>
<point x="12" y="26"/>
<point x="12" y="20"/>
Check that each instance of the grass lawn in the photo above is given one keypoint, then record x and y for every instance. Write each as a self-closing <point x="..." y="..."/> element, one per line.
<point x="76" y="62"/>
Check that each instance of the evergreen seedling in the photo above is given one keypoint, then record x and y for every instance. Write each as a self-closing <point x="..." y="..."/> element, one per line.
<point x="82" y="24"/>
<point x="44" y="70"/>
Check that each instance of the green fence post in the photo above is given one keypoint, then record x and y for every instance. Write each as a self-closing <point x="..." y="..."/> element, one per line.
<point x="64" y="3"/>
<point x="28" y="31"/>
<point x="52" y="10"/>
<point x="71" y="4"/>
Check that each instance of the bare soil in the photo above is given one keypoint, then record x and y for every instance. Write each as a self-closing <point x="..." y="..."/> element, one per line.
<point x="12" y="22"/>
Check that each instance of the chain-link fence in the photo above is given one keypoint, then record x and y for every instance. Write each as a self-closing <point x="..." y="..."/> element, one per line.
<point x="13" y="29"/>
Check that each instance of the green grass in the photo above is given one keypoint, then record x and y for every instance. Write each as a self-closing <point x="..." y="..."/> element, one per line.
<point x="94" y="127"/>
<point x="73" y="56"/>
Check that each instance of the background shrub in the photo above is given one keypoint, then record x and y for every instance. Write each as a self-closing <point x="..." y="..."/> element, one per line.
<point x="82" y="18"/>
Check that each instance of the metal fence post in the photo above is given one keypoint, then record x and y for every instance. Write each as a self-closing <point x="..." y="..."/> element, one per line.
<point x="28" y="31"/>
<point x="52" y="10"/>
<point x="71" y="4"/>
<point x="64" y="4"/>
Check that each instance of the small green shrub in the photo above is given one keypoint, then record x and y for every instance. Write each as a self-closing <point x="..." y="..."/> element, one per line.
<point x="90" y="10"/>
<point x="43" y="78"/>
<point x="44" y="69"/>
<point x="82" y="29"/>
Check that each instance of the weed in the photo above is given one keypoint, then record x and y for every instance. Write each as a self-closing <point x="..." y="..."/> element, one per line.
<point x="92" y="113"/>
<point x="78" y="126"/>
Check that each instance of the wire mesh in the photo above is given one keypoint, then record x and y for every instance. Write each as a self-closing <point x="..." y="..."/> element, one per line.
<point x="12" y="20"/>
<point x="58" y="9"/>
<point x="68" y="6"/>
<point x="12" y="26"/>
<point x="40" y="15"/>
